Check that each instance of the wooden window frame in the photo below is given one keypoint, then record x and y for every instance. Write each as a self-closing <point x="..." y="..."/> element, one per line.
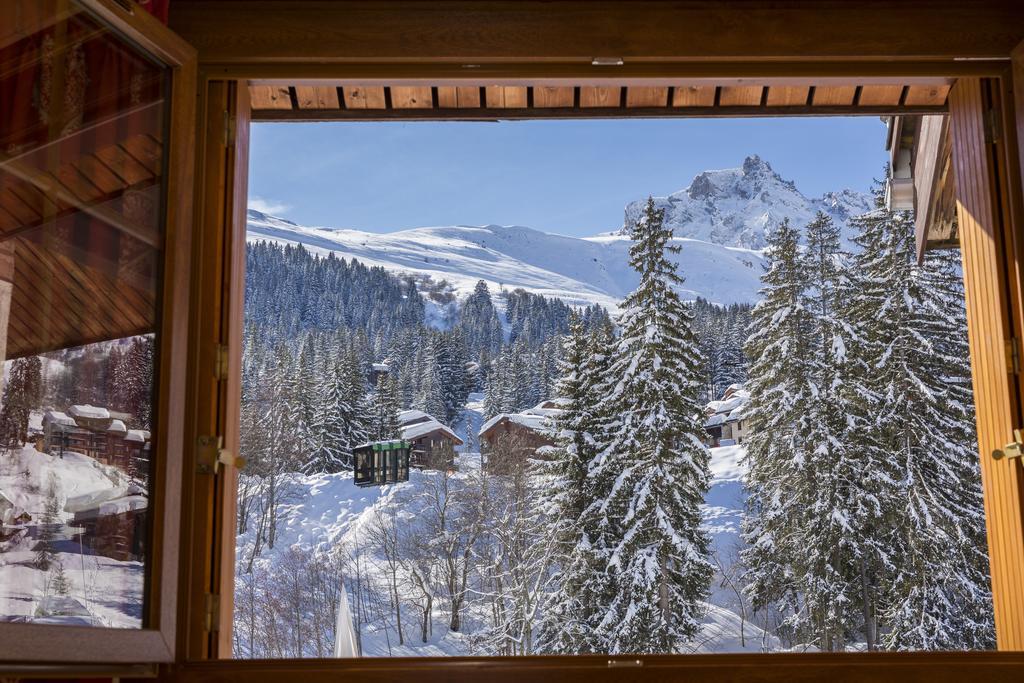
<point x="28" y="645"/>
<point x="236" y="49"/>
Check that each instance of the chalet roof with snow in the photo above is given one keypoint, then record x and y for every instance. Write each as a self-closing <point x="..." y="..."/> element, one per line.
<point x="137" y="435"/>
<point x="59" y="418"/>
<point x="418" y="430"/>
<point x="89" y="412"/>
<point x="730" y="408"/>
<point x="117" y="426"/>
<point x="537" y="423"/>
<point x="413" y="416"/>
<point x="381" y="367"/>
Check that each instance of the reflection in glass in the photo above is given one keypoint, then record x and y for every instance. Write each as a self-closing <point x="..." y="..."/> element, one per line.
<point x="82" y="119"/>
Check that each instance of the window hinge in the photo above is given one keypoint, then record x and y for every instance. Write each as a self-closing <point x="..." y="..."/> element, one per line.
<point x="1014" y="449"/>
<point x="1012" y="356"/>
<point x="211" y="454"/>
<point x="993" y="126"/>
<point x="229" y="129"/>
<point x="212" y="612"/>
<point x="220" y="369"/>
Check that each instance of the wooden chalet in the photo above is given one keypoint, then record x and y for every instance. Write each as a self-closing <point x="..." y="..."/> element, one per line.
<point x="94" y="431"/>
<point x="432" y="443"/>
<point x="508" y="439"/>
<point x="124" y="153"/>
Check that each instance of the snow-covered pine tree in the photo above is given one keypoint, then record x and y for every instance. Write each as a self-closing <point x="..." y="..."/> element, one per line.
<point x="935" y="593"/>
<point x="655" y="467"/>
<point x="430" y="396"/>
<point x="777" y="454"/>
<point x="572" y="610"/>
<point x="837" y="545"/>
<point x="387" y="403"/>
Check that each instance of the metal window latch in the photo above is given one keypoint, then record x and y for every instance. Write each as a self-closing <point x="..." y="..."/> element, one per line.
<point x="1014" y="449"/>
<point x="211" y="454"/>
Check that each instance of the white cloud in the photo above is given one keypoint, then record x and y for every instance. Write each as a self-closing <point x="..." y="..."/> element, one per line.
<point x="268" y="206"/>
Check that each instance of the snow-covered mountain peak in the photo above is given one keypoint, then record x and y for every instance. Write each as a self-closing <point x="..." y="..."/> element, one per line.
<point x="738" y="207"/>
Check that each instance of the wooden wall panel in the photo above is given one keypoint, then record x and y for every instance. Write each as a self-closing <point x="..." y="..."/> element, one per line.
<point x="983" y="244"/>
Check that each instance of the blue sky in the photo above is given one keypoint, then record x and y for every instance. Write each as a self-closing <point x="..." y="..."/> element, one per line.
<point x="569" y="177"/>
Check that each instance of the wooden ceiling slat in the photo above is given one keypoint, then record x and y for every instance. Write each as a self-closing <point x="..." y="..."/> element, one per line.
<point x="269" y="97"/>
<point x="316" y="97"/>
<point x="787" y="95"/>
<point x="506" y="96"/>
<point x="146" y="151"/>
<point x="834" y="95"/>
<point x="100" y="174"/>
<point x="880" y="95"/>
<point x="741" y="95"/>
<point x="458" y="97"/>
<point x="693" y="96"/>
<point x="599" y="96"/>
<point x="645" y="96"/>
<point x="123" y="164"/>
<point x="549" y="97"/>
<point x="17" y="208"/>
<point x="72" y="182"/>
<point x="364" y="97"/>
<point x="411" y="97"/>
<point x="926" y="95"/>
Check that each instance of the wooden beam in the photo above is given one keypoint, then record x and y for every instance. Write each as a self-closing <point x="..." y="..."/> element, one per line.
<point x="270" y="97"/>
<point x="452" y="97"/>
<point x="985" y="248"/>
<point x="928" y="95"/>
<point x="470" y="33"/>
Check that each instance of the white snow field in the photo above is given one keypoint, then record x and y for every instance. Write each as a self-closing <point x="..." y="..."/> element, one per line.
<point x="103" y="591"/>
<point x="331" y="512"/>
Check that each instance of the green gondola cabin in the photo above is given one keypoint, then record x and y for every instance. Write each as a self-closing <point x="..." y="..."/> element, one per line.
<point x="381" y="462"/>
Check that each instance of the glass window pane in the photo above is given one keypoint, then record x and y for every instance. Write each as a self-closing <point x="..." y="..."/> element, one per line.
<point x="83" y="116"/>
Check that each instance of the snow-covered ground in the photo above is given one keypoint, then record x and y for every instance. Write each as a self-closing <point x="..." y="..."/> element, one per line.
<point x="103" y="591"/>
<point x="575" y="270"/>
<point x="329" y="512"/>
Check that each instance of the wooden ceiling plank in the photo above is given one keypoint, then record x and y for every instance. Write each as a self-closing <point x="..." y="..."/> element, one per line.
<point x="552" y="97"/>
<point x="123" y="165"/>
<point x="146" y="151"/>
<point x="834" y="95"/>
<point x="506" y="97"/>
<point x="926" y="95"/>
<point x="787" y="95"/>
<point x="317" y="97"/>
<point x="693" y="96"/>
<point x="100" y="174"/>
<point x="269" y="97"/>
<point x="411" y="97"/>
<point x="458" y="97"/>
<point x="740" y="95"/>
<point x="646" y="96"/>
<point x="364" y="97"/>
<point x="600" y="96"/>
<point x="880" y="95"/>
